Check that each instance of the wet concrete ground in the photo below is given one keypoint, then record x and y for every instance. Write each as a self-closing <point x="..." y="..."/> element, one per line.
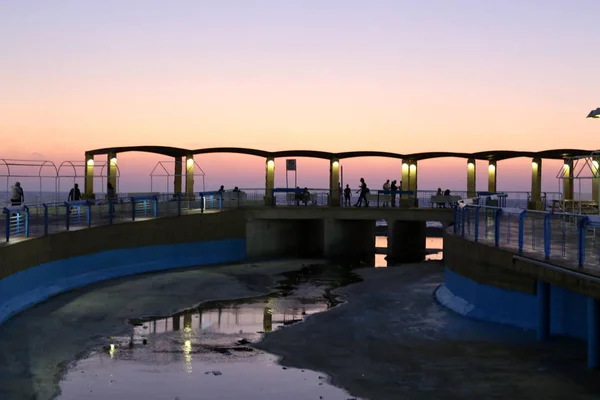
<point x="207" y="352"/>
<point x="393" y="341"/>
<point x="38" y="345"/>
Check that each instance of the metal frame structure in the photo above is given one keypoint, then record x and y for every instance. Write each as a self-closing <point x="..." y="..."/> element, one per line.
<point x="75" y="166"/>
<point x="39" y="164"/>
<point x="103" y="176"/>
<point x="168" y="175"/>
<point x="585" y="168"/>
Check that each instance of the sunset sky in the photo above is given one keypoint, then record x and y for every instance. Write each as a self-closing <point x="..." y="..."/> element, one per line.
<point x="334" y="75"/>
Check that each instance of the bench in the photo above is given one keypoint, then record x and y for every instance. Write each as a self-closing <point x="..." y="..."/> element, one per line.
<point x="443" y="200"/>
<point x="291" y="198"/>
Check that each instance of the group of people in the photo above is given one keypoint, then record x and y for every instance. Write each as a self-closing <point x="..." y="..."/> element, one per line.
<point x="363" y="191"/>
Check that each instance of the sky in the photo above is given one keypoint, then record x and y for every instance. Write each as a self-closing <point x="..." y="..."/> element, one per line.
<point x="333" y="75"/>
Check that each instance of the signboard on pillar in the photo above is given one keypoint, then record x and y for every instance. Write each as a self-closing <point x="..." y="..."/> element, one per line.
<point x="290" y="166"/>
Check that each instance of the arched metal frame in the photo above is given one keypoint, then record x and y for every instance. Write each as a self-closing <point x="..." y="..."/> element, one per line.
<point x="168" y="175"/>
<point x="103" y="176"/>
<point x="40" y="165"/>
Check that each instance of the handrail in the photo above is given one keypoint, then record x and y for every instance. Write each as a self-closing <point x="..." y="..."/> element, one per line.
<point x="560" y="231"/>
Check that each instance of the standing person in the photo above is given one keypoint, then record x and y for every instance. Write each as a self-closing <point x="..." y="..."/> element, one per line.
<point x="17" y="196"/>
<point x="386" y="186"/>
<point x="363" y="190"/>
<point x="111" y="194"/>
<point x="74" y="194"/>
<point x="393" y="188"/>
<point x="347" y="196"/>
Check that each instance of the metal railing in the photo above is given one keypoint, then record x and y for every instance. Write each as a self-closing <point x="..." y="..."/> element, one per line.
<point x="571" y="239"/>
<point x="36" y="220"/>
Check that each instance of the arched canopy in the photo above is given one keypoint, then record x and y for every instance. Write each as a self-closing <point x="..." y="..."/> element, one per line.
<point x="495" y="155"/>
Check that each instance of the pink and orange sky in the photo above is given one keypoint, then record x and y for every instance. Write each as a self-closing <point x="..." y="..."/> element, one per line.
<point x="337" y="75"/>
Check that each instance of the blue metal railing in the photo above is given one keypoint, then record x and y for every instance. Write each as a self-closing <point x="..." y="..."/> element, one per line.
<point x="77" y="213"/>
<point x="16" y="221"/>
<point x="144" y="206"/>
<point x="570" y="238"/>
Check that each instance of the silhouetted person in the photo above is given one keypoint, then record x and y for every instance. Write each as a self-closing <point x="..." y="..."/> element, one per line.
<point x="363" y="190"/>
<point x="447" y="192"/>
<point x="305" y="196"/>
<point x="17" y="196"/>
<point x="393" y="188"/>
<point x="74" y="194"/>
<point x="298" y="195"/>
<point x="222" y="189"/>
<point x="347" y="196"/>
<point x="236" y="189"/>
<point x="111" y="193"/>
<point x="386" y="186"/>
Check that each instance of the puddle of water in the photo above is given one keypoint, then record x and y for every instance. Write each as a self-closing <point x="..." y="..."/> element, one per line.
<point x="207" y="352"/>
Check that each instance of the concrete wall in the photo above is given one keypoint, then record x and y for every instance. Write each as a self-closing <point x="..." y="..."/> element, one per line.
<point x="491" y="303"/>
<point x="36" y="269"/>
<point x="349" y="238"/>
<point x="269" y="238"/>
<point x="486" y="283"/>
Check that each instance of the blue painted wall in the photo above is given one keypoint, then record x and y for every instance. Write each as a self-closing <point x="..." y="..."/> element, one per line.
<point x="490" y="303"/>
<point x="24" y="289"/>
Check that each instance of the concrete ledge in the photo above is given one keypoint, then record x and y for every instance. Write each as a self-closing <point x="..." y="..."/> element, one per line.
<point x="26" y="288"/>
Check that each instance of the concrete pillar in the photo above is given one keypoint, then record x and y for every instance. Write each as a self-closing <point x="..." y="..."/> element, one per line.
<point x="269" y="181"/>
<point x="492" y="176"/>
<point x="471" y="179"/>
<point x="111" y="170"/>
<point x="88" y="184"/>
<point x="177" y="186"/>
<point x="406" y="241"/>
<point x="349" y="239"/>
<point x="189" y="175"/>
<point x="405" y="177"/>
<point x="595" y="179"/>
<point x="334" y="182"/>
<point x="412" y="175"/>
<point x="568" y="179"/>
<point x="543" y="309"/>
<point x="593" y="323"/>
<point x="176" y="322"/>
<point x="535" y="203"/>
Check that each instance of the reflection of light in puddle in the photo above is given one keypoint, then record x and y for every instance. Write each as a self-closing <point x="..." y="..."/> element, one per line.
<point x="208" y="348"/>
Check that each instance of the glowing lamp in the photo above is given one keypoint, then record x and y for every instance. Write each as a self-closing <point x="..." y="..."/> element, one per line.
<point x="90" y="162"/>
<point x="492" y="168"/>
<point x="189" y="162"/>
<point x="113" y="160"/>
<point x="270" y="163"/>
<point x="335" y="163"/>
<point x="595" y="164"/>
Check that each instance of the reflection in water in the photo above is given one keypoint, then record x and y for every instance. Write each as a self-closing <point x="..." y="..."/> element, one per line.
<point x="433" y="245"/>
<point x="209" y="349"/>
